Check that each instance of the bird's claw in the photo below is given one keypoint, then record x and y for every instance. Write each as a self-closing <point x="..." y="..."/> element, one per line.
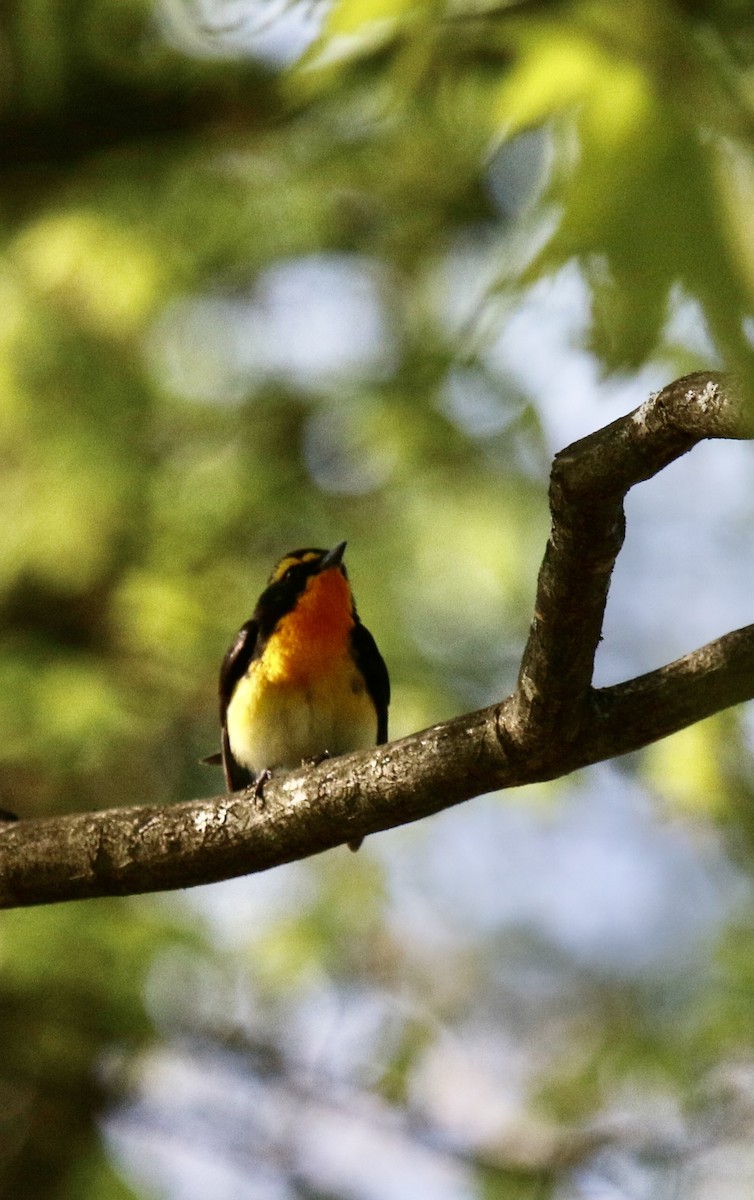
<point x="258" y="788"/>
<point x="315" y="759"/>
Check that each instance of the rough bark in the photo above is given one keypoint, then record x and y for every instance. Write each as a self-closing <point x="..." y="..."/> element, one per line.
<point x="554" y="723"/>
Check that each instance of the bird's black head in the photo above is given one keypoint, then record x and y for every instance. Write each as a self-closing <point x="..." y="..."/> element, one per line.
<point x="290" y="578"/>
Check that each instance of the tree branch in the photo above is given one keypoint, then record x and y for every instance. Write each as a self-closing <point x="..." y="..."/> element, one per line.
<point x="554" y="723"/>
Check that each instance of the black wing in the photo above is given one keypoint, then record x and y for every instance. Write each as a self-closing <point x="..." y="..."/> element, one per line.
<point x="236" y="662"/>
<point x="234" y="667"/>
<point x="372" y="666"/>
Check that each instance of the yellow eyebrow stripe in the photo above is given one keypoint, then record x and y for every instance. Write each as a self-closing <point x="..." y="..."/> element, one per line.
<point x="291" y="560"/>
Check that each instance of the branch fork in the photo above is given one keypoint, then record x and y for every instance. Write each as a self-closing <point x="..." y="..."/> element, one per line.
<point x="554" y="723"/>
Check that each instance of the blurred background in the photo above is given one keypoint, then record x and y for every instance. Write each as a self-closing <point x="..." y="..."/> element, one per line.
<point x="281" y="273"/>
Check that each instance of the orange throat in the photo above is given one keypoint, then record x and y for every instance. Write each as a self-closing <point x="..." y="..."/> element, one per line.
<point x="315" y="634"/>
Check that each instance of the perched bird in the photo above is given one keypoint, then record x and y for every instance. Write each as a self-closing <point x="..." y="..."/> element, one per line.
<point x="304" y="678"/>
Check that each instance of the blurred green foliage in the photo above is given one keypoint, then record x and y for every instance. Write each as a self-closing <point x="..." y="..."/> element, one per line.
<point x="255" y="263"/>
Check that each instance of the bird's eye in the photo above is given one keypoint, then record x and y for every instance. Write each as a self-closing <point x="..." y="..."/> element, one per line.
<point x="288" y="575"/>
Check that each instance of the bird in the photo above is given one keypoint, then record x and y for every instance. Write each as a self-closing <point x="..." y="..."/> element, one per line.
<point x="303" y="680"/>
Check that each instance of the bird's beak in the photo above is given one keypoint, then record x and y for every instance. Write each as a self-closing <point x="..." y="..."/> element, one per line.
<point x="334" y="557"/>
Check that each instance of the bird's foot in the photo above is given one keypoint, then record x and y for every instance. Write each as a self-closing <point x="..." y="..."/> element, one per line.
<point x="257" y="788"/>
<point x="315" y="759"/>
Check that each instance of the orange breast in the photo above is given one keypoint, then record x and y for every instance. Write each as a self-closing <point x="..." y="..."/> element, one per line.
<point x="314" y="634"/>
